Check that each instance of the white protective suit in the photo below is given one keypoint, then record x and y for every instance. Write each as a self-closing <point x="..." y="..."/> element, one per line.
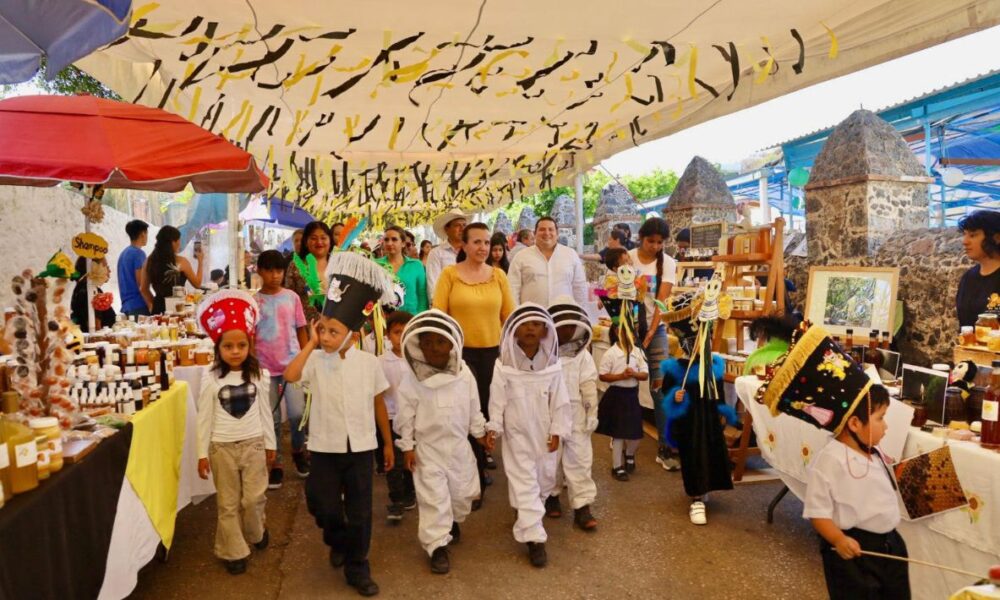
<point x="576" y="455"/>
<point x="529" y="403"/>
<point x="436" y="412"/>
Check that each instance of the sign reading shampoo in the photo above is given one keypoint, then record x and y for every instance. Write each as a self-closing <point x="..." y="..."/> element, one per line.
<point x="90" y="245"/>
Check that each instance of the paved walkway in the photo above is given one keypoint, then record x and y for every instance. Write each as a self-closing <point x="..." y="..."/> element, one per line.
<point x="644" y="547"/>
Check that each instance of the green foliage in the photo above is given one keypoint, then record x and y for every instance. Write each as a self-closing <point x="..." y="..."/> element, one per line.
<point x="644" y="187"/>
<point x="72" y="80"/>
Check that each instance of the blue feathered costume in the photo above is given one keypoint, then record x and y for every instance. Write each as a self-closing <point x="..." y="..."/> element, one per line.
<point x="694" y="427"/>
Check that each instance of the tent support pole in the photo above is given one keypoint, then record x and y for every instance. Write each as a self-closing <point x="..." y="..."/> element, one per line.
<point x="578" y="186"/>
<point x="765" y="202"/>
<point x="235" y="257"/>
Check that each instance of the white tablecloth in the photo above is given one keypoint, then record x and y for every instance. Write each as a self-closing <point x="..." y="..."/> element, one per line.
<point x="133" y="538"/>
<point x="965" y="539"/>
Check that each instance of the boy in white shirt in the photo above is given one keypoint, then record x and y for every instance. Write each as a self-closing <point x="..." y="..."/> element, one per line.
<point x="438" y="411"/>
<point x="402" y="496"/>
<point x="347" y="387"/>
<point x="851" y="501"/>
<point x="530" y="407"/>
<point x="576" y="457"/>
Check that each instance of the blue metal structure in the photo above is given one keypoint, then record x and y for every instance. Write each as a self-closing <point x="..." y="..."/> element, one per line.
<point x="959" y="125"/>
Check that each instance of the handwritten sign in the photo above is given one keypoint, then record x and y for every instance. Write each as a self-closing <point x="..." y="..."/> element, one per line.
<point x="708" y="235"/>
<point x="90" y="245"/>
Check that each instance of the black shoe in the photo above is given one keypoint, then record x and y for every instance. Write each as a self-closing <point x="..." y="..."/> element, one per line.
<point x="301" y="460"/>
<point x="365" y="586"/>
<point x="456" y="533"/>
<point x="409" y="504"/>
<point x="395" y="513"/>
<point x="620" y="474"/>
<point x="536" y="553"/>
<point x="477" y="504"/>
<point x="630" y="463"/>
<point x="490" y="463"/>
<point x="337" y="559"/>
<point x="236" y="567"/>
<point x="264" y="541"/>
<point x="439" y="561"/>
<point x="553" y="508"/>
<point x="274" y="478"/>
<point x="487" y="479"/>
<point x="583" y="519"/>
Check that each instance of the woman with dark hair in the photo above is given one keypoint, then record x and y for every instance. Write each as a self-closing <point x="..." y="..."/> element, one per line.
<point x="164" y="269"/>
<point x="979" y="288"/>
<point x="306" y="274"/>
<point x="78" y="303"/>
<point x="660" y="272"/>
<point x="498" y="252"/>
<point x="409" y="271"/>
<point x="478" y="296"/>
<point x="425" y="249"/>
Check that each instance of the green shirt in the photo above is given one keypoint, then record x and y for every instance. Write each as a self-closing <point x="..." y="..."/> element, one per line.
<point x="765" y="355"/>
<point x="414" y="279"/>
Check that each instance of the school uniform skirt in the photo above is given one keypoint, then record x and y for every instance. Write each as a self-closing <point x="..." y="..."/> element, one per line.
<point x="619" y="415"/>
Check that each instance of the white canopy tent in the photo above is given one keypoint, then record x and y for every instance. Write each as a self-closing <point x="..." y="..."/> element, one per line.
<point x="385" y="106"/>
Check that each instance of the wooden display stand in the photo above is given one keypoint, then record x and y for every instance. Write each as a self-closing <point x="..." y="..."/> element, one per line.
<point x="981" y="355"/>
<point x="737" y="269"/>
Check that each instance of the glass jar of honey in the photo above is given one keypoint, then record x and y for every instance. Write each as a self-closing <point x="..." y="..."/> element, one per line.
<point x="49" y="428"/>
<point x="22" y="456"/>
<point x="986" y="323"/>
<point x="968" y="336"/>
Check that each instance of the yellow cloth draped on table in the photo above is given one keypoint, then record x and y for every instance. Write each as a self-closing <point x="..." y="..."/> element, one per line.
<point x="154" y="459"/>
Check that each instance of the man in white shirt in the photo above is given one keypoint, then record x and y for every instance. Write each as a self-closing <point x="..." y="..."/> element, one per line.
<point x="547" y="270"/>
<point x="525" y="239"/>
<point x="448" y="227"/>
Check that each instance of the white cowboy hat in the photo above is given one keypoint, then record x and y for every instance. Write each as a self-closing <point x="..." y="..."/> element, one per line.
<point x="442" y="221"/>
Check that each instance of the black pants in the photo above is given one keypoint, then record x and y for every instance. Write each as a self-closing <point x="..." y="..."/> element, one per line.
<point x="867" y="577"/>
<point x="399" y="480"/>
<point x="481" y="362"/>
<point x="347" y="522"/>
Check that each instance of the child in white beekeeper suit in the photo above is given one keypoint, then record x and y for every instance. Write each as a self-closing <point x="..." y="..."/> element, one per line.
<point x="530" y="408"/>
<point x="576" y="456"/>
<point x="437" y="410"/>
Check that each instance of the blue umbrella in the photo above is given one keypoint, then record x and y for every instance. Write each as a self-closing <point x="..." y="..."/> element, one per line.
<point x="63" y="31"/>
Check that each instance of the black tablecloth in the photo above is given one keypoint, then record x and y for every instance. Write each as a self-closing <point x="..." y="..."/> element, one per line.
<point x="54" y="539"/>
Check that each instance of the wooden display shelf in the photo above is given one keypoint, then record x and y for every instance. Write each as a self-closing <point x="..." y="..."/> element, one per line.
<point x="742" y="259"/>
<point x="729" y="377"/>
<point x="747" y="315"/>
<point x="981" y="355"/>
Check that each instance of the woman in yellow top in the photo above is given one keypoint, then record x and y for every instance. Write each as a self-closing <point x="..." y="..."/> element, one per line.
<point x="478" y="297"/>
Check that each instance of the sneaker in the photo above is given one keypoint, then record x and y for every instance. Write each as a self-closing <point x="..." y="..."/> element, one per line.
<point x="439" y="561"/>
<point x="274" y="479"/>
<point x="337" y="559"/>
<point x="236" y="567"/>
<point x="264" y="541"/>
<point x="456" y="533"/>
<point x="477" y="504"/>
<point x="536" y="553"/>
<point x="490" y="463"/>
<point x="365" y="586"/>
<point x="669" y="463"/>
<point x="394" y="513"/>
<point x="409" y="504"/>
<point x="301" y="460"/>
<point x="583" y="519"/>
<point x="697" y="513"/>
<point x="620" y="474"/>
<point x="553" y="508"/>
<point x="630" y="463"/>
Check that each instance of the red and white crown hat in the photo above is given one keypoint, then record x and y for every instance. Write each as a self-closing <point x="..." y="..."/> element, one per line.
<point x="226" y="310"/>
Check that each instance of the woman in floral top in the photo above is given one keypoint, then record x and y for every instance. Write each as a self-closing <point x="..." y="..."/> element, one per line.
<point x="305" y="274"/>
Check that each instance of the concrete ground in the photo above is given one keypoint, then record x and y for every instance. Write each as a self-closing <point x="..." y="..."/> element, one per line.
<point x="644" y="547"/>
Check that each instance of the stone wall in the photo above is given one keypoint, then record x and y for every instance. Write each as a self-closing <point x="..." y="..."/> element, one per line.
<point x="930" y="262"/>
<point x="36" y="222"/>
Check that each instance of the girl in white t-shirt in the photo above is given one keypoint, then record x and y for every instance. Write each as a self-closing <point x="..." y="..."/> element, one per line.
<point x="236" y="441"/>
<point x="660" y="272"/>
<point x="619" y="415"/>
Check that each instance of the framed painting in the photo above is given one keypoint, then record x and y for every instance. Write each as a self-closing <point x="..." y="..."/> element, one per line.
<point x="859" y="298"/>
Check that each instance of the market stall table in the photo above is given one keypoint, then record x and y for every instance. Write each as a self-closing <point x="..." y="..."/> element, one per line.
<point x="967" y="538"/>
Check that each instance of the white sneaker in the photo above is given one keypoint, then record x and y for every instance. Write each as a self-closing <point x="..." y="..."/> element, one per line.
<point x="669" y="463"/>
<point x="697" y="513"/>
